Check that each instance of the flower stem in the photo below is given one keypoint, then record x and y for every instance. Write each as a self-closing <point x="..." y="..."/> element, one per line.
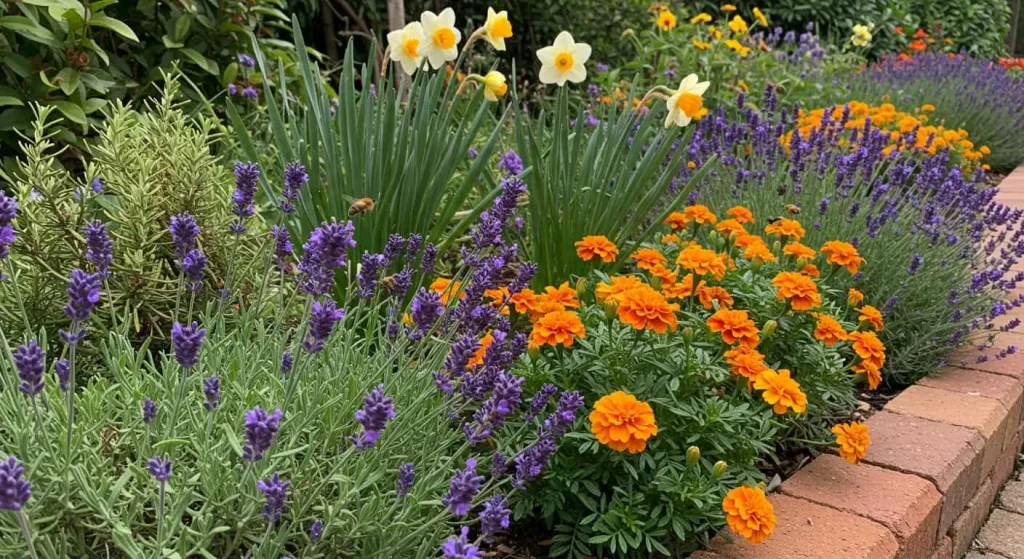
<point x="70" y="394"/>
<point x="160" y="516"/>
<point x="178" y="397"/>
<point x="17" y="293"/>
<point x="26" y="531"/>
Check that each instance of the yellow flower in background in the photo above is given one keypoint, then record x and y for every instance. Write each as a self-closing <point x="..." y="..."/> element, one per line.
<point x="759" y="16"/>
<point x="728" y="8"/>
<point x="404" y="46"/>
<point x="666" y="20"/>
<point x="700" y="18"/>
<point x="737" y="25"/>
<point x="441" y="37"/>
<point x="715" y="33"/>
<point x="738" y="47"/>
<point x="861" y="35"/>
<point x="686" y="102"/>
<point x="497" y="28"/>
<point x="494" y="85"/>
<point x="700" y="44"/>
<point x="563" y="61"/>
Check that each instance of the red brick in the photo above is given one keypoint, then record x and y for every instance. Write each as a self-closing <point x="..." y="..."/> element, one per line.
<point x="985" y="415"/>
<point x="1006" y="389"/>
<point x="962" y="531"/>
<point x="909" y="506"/>
<point x="1011" y="365"/>
<point x="1004" y="466"/>
<point x="705" y="555"/>
<point x="944" y="454"/>
<point x="944" y="550"/>
<point x="809" y="531"/>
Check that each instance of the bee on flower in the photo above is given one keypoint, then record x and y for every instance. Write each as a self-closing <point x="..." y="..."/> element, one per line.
<point x="563" y="61"/>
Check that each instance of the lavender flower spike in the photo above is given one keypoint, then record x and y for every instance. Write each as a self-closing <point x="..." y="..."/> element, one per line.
<point x="187" y="341"/>
<point x="14" y="490"/>
<point x="496" y="515"/>
<point x="149" y="411"/>
<point x="459" y="547"/>
<point x="406" y="479"/>
<point x="99" y="251"/>
<point x="83" y="295"/>
<point x="63" y="370"/>
<point x="211" y="392"/>
<point x="316" y="531"/>
<point x="377" y="410"/>
<point x="260" y="432"/>
<point x="322" y="254"/>
<point x="321" y="323"/>
<point x="276" y="491"/>
<point x="8" y="211"/>
<point x="159" y="468"/>
<point x="192" y="266"/>
<point x="30" y="361"/>
<point x="246" y="177"/>
<point x="463" y="486"/>
<point x="184" y="231"/>
<point x="295" y="177"/>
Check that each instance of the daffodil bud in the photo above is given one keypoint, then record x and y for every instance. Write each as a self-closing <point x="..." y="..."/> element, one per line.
<point x="688" y="334"/>
<point x="692" y="455"/>
<point x="769" y="328"/>
<point x="581" y="286"/>
<point x="718" y="470"/>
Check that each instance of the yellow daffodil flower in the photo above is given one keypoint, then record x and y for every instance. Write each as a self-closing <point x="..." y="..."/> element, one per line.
<point x="563" y="61"/>
<point x="497" y="28"/>
<point x="686" y="103"/>
<point x="494" y="85"/>
<point x="405" y="46"/>
<point x="441" y="38"/>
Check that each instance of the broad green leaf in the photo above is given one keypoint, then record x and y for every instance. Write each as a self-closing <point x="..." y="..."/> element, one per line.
<point x="171" y="43"/>
<point x="95" y="7"/>
<point x="115" y="25"/>
<point x="72" y="111"/>
<point x="29" y="29"/>
<point x="93" y="104"/>
<point x="67" y="80"/>
<point x="18" y="64"/>
<point x="200" y="60"/>
<point x="181" y="27"/>
<point x="6" y="101"/>
<point x="230" y="73"/>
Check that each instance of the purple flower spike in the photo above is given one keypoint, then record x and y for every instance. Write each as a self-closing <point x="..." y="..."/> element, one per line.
<point x="30" y="361"/>
<point x="463" y="486"/>
<point x="159" y="468"/>
<point x="316" y="531"/>
<point x="96" y="185"/>
<point x="8" y="212"/>
<point x="83" y="295"/>
<point x="260" y="432"/>
<point x="286" y="362"/>
<point x="321" y="323"/>
<point x="406" y="479"/>
<point x="63" y="370"/>
<point x="192" y="265"/>
<point x="99" y="251"/>
<point x="459" y="547"/>
<point x="15" y="491"/>
<point x="184" y="231"/>
<point x="149" y="411"/>
<point x="322" y="254"/>
<point x="276" y="491"/>
<point x="510" y="164"/>
<point x="377" y="410"/>
<point x="250" y="92"/>
<point x="295" y="177"/>
<point x="496" y="515"/>
<point x="246" y="60"/>
<point x="187" y="341"/>
<point x="247" y="175"/>
<point x="211" y="393"/>
<point x="282" y="246"/>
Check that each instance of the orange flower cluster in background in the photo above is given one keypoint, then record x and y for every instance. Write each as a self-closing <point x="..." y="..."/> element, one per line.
<point x="1011" y="63"/>
<point x="930" y="138"/>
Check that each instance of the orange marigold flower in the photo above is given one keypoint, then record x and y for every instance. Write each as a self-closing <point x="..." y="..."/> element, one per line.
<point x="853" y="440"/>
<point x="699" y="213"/>
<point x="643" y="307"/>
<point x="478" y="356"/>
<point x="676" y="221"/>
<point x="648" y="258"/>
<point x="745" y="362"/>
<point x="544" y="307"/>
<point x="811" y="271"/>
<point x="868" y="347"/>
<point x="729" y="226"/>
<point x="871" y="373"/>
<point x="621" y="422"/>
<point x="749" y="513"/>
<point x="855" y="297"/>
<point x="829" y="330"/>
<point x="759" y="250"/>
<point x="679" y="290"/>
<point x="798" y="289"/>
<point x="798" y="250"/>
<point x="524" y="301"/>
<point x="596" y="245"/>
<point x="842" y="253"/>
<point x="741" y="214"/>
<point x="735" y="327"/>
<point x="780" y="391"/>
<point x="558" y="327"/>
<point x="498" y="298"/>
<point x="785" y="227"/>
<point x="619" y="285"/>
<point x="872" y="316"/>
<point x="664" y="274"/>
<point x="447" y="288"/>
<point x="744" y="241"/>
<point x="563" y="294"/>
<point x="707" y="294"/>
<point x="701" y="261"/>
<point x="670" y="238"/>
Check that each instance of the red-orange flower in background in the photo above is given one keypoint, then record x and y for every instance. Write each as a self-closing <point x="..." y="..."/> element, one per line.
<point x="785" y="227"/>
<point x="741" y="214"/>
<point x="798" y="289"/>
<point x="478" y="356"/>
<point x="644" y="308"/>
<point x="621" y="422"/>
<point x="780" y="391"/>
<point x="619" y="285"/>
<point x="735" y="327"/>
<point x="558" y="327"/>
<point x="872" y="316"/>
<point x="648" y="258"/>
<point x="670" y="238"/>
<point x="749" y="513"/>
<point x="853" y="441"/>
<point x="563" y="295"/>
<point x="798" y="250"/>
<point x="708" y="294"/>
<point x="447" y="289"/>
<point x="679" y="289"/>
<point x="829" y="330"/>
<point x="842" y="253"/>
<point x="701" y="261"/>
<point x="676" y="221"/>
<point x="745" y="362"/>
<point x="596" y="245"/>
<point x="699" y="213"/>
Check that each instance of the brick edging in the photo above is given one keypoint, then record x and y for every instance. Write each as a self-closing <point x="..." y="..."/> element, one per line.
<point x="939" y="453"/>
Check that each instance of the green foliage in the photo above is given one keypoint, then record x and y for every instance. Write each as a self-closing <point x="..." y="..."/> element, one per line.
<point x="976" y="26"/>
<point x="80" y="57"/>
<point x="153" y="164"/>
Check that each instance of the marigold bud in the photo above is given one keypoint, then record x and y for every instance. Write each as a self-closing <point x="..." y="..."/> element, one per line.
<point x="769" y="328"/>
<point x="534" y="352"/>
<point x="776" y="246"/>
<point x="692" y="455"/>
<point x="628" y="33"/>
<point x="718" y="470"/>
<point x="610" y="308"/>
<point x="581" y="286"/>
<point x="688" y="334"/>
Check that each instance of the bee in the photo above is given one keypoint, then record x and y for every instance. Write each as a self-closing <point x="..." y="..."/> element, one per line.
<point x="388" y="284"/>
<point x="108" y="438"/>
<point x="781" y="190"/>
<point x="793" y="209"/>
<point x="361" y="206"/>
<point x="775" y="219"/>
